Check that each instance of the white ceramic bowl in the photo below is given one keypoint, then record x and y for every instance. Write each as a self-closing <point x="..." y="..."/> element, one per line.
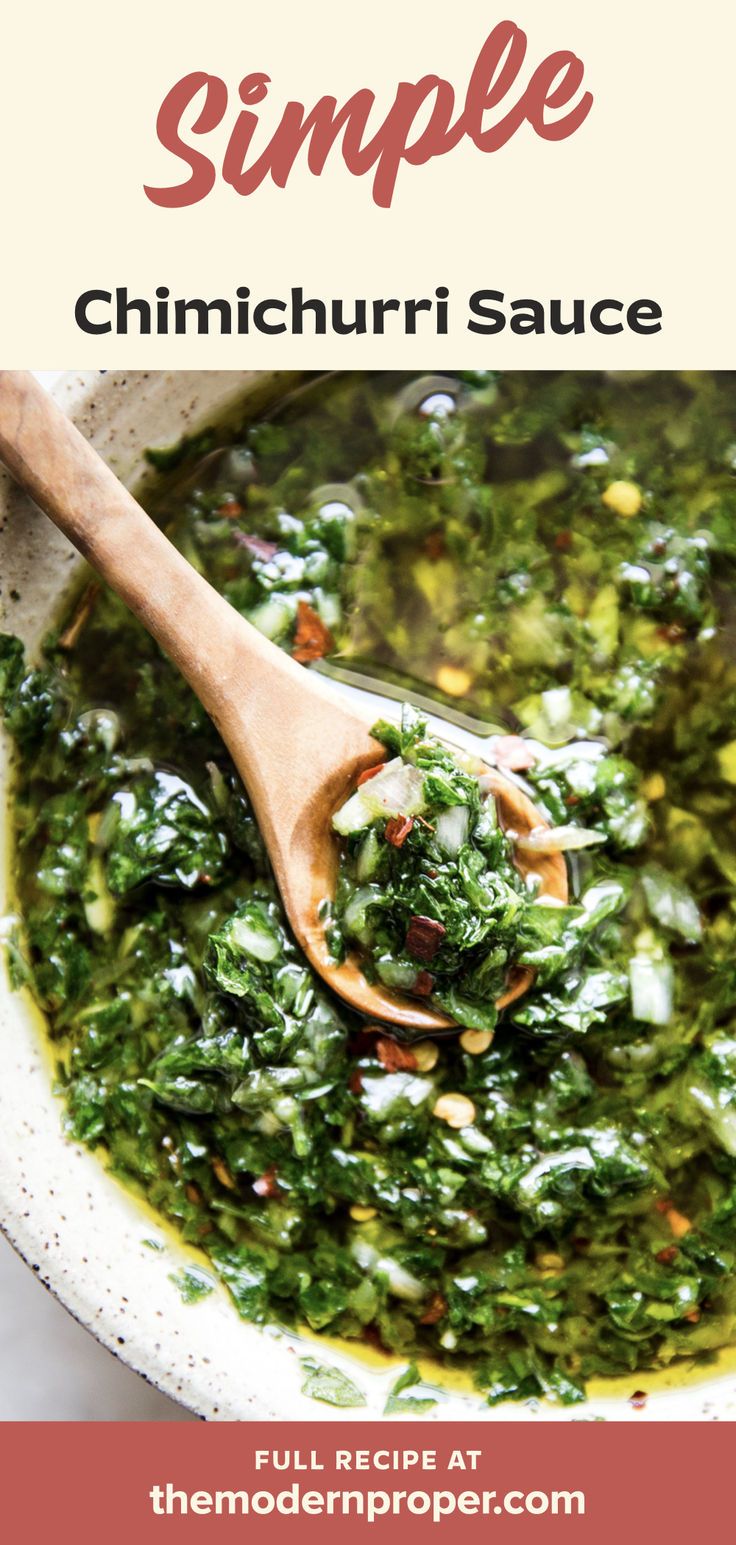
<point x="76" y="1227"/>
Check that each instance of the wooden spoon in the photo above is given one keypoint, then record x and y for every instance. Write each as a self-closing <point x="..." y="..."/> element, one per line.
<point x="296" y="746"/>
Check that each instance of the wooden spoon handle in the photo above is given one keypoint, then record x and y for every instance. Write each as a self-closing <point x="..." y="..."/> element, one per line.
<point x="205" y="637"/>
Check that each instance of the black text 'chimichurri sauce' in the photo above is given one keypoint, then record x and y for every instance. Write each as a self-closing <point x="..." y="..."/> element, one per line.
<point x="553" y="556"/>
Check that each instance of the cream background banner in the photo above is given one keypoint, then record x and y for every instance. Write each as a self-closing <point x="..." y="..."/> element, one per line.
<point x="638" y="203"/>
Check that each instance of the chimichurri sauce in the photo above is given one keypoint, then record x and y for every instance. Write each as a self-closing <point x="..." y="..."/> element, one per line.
<point x="543" y="1202"/>
<point x="441" y="897"/>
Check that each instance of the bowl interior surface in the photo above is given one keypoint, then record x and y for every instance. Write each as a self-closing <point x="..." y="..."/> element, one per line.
<point x="107" y="1257"/>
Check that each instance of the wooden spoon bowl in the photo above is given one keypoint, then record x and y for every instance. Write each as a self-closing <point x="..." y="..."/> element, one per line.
<point x="316" y="869"/>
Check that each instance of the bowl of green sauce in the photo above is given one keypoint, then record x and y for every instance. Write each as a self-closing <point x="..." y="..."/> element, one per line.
<point x="264" y="1204"/>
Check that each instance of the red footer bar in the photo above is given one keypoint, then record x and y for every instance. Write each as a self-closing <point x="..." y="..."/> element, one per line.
<point x="136" y="1483"/>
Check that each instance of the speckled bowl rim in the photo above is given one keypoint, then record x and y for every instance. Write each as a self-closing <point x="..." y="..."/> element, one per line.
<point x="87" y="1239"/>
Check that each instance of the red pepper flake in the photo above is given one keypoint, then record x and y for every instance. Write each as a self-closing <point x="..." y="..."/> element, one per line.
<point x="312" y="640"/>
<point x="222" y="1172"/>
<point x="665" y="1205"/>
<point x="693" y="1316"/>
<point x="267" y="1185"/>
<point x="424" y="937"/>
<point x="394" y="1057"/>
<point x="363" y="1041"/>
<point x="436" y="1310"/>
<point x="563" y="541"/>
<point x="355" y="1082"/>
<point x="434" y="545"/>
<point x="369" y="772"/>
<point x="668" y="1255"/>
<point x="257" y="545"/>
<point x="193" y="1193"/>
<point x="230" y="509"/>
<point x="638" y="1400"/>
<point x="672" y="633"/>
<point x="513" y="754"/>
<point x="397" y="831"/>
<point x="423" y="984"/>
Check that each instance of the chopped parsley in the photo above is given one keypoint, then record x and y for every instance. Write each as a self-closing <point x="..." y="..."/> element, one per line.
<point x="551" y="1196"/>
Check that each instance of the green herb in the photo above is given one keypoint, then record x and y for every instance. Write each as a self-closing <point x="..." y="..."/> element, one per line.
<point x="412" y="1405"/>
<point x="446" y="913"/>
<point x="192" y="1283"/>
<point x="329" y="1384"/>
<point x="159" y="830"/>
<point x="165" y="458"/>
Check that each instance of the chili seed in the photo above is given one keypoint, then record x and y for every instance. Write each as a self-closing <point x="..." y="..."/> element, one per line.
<point x="456" y="1109"/>
<point x="476" y="1041"/>
<point x="623" y="499"/>
<point x="549" y="1260"/>
<point x="453" y="680"/>
<point x="654" y="788"/>
<point x="425" y="1056"/>
<point x="679" y="1224"/>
